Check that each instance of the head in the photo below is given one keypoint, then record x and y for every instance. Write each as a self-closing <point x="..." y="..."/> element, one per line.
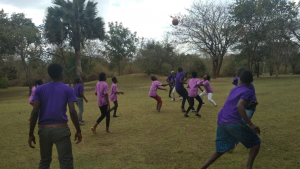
<point x="180" y="69"/>
<point x="39" y="82"/>
<point x="206" y="77"/>
<point x="102" y="76"/>
<point x="153" y="78"/>
<point x="246" y="78"/>
<point x="239" y="71"/>
<point x="55" y="71"/>
<point x="114" y="80"/>
<point x="194" y="74"/>
<point x="78" y="80"/>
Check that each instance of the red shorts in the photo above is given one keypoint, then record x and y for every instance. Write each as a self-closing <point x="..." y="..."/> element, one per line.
<point x="31" y="104"/>
<point x="158" y="99"/>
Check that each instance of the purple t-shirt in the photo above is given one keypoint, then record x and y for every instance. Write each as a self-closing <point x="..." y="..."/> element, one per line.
<point x="155" y="84"/>
<point x="170" y="78"/>
<point x="54" y="97"/>
<point x="235" y="81"/>
<point x="193" y="87"/>
<point x="77" y="89"/>
<point x="32" y="94"/>
<point x="207" y="86"/>
<point x="179" y="85"/>
<point x="251" y="88"/>
<point x="113" y="91"/>
<point x="229" y="113"/>
<point x="101" y="90"/>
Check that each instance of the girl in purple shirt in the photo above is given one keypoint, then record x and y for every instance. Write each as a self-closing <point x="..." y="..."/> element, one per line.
<point x="208" y="90"/>
<point x="152" y="93"/>
<point x="37" y="83"/>
<point x="113" y="95"/>
<point x="101" y="91"/>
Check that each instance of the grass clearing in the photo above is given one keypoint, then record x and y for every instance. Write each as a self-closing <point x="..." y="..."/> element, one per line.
<point x="144" y="139"/>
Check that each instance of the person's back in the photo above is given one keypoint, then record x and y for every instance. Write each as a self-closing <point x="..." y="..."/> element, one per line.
<point x="179" y="85"/>
<point x="193" y="87"/>
<point x="101" y="90"/>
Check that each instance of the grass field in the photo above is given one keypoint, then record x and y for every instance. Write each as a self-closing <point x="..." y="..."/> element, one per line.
<point x="144" y="139"/>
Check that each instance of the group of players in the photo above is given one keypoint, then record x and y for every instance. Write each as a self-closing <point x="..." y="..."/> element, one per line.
<point x="50" y="103"/>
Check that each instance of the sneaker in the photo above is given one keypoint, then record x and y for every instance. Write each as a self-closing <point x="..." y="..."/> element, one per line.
<point x="198" y="115"/>
<point x="185" y="115"/>
<point x="230" y="151"/>
<point x="180" y="98"/>
<point x="81" y="123"/>
<point x="173" y="100"/>
<point x="183" y="110"/>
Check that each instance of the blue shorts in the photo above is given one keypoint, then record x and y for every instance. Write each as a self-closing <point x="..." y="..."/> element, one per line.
<point x="229" y="135"/>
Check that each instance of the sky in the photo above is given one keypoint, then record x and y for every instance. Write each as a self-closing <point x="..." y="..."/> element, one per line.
<point x="149" y="18"/>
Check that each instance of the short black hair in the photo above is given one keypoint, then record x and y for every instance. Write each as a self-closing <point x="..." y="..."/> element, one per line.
<point x="102" y="76"/>
<point x="194" y="74"/>
<point x="38" y="82"/>
<point x="208" y="77"/>
<point x="180" y="69"/>
<point x="152" y="78"/>
<point x="55" y="70"/>
<point x="113" y="79"/>
<point x="240" y="70"/>
<point x="77" y="79"/>
<point x="246" y="77"/>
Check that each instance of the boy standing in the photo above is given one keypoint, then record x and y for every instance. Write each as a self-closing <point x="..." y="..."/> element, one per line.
<point x="231" y="128"/>
<point x="79" y="92"/>
<point x="180" y="81"/>
<point x="52" y="100"/>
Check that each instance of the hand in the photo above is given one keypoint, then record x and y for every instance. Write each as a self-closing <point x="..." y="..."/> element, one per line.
<point x="255" y="128"/>
<point x="108" y="107"/>
<point x="190" y="76"/>
<point x="30" y="140"/>
<point x="122" y="92"/>
<point x="86" y="100"/>
<point x="78" y="137"/>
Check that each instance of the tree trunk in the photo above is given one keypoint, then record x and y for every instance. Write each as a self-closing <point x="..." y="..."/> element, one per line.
<point x="119" y="67"/>
<point x="214" y="70"/>
<point x="293" y="69"/>
<point x="285" y="70"/>
<point x="276" y="71"/>
<point x="78" y="62"/>
<point x="257" y="69"/>
<point x="219" y="66"/>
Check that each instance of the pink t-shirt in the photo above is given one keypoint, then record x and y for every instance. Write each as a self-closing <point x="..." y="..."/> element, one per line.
<point x="155" y="84"/>
<point x="193" y="87"/>
<point x="32" y="94"/>
<point x="113" y="91"/>
<point x="101" y="89"/>
<point x="207" y="86"/>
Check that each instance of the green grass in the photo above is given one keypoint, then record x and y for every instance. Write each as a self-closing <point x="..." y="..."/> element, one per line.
<point x="144" y="139"/>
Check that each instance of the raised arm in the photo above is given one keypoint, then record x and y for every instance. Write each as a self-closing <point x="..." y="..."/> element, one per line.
<point x="74" y="118"/>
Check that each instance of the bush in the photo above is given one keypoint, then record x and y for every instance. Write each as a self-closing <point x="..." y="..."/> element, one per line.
<point x="4" y="82"/>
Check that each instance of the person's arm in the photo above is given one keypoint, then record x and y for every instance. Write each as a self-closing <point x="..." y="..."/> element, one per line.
<point x="82" y="95"/>
<point x="161" y="89"/>
<point x="33" y="120"/>
<point x="241" y="109"/>
<point x="200" y="87"/>
<point x="74" y="118"/>
<point x="119" y="93"/>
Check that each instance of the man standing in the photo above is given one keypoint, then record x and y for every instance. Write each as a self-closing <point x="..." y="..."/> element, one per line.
<point x="179" y="86"/>
<point x="50" y="107"/>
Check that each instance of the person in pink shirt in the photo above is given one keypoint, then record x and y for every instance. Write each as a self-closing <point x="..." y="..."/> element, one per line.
<point x="101" y="91"/>
<point x="113" y="95"/>
<point x="152" y="93"/>
<point x="193" y="86"/>
<point x="208" y="90"/>
<point x="37" y="83"/>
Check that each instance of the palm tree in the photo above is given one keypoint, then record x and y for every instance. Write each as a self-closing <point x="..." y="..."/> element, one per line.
<point x="73" y="22"/>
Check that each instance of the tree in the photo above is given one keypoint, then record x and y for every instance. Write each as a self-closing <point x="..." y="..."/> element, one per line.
<point x="120" y="43"/>
<point x="73" y="22"/>
<point x="209" y="29"/>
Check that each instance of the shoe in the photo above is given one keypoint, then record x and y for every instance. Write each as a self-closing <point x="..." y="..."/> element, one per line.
<point x="170" y="97"/>
<point x="198" y="115"/>
<point x="81" y="123"/>
<point x="185" y="115"/>
<point x="230" y="151"/>
<point x="183" y="110"/>
<point x="180" y="98"/>
<point x="173" y="100"/>
<point x="194" y="110"/>
<point x="115" y="116"/>
<point x="93" y="130"/>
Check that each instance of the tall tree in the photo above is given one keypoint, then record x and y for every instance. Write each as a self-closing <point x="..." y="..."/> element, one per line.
<point x="209" y="28"/>
<point x="120" y="43"/>
<point x="73" y="22"/>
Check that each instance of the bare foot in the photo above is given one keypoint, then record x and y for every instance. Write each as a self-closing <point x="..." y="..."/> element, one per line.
<point x="216" y="105"/>
<point x="108" y="132"/>
<point x="93" y="130"/>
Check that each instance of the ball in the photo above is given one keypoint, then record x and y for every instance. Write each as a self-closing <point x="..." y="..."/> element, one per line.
<point x="175" y="22"/>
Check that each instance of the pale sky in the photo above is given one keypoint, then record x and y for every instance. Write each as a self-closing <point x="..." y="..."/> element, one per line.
<point x="149" y="18"/>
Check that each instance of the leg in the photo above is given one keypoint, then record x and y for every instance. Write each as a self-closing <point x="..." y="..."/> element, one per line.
<point x="114" y="108"/>
<point x="101" y="117"/>
<point x="203" y="94"/>
<point x="200" y="103"/>
<point x="80" y="107"/>
<point x="173" y="96"/>
<point x="191" y="106"/>
<point x="171" y="87"/>
<point x="211" y="100"/>
<point x="63" y="144"/>
<point x="253" y="153"/>
<point x="212" y="158"/>
<point x="46" y="145"/>
<point x="159" y="103"/>
<point x="107" y="113"/>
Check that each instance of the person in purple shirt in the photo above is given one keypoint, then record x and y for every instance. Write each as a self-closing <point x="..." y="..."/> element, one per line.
<point x="37" y="83"/>
<point x="180" y="81"/>
<point x="193" y="86"/>
<point x="171" y="81"/>
<point x="79" y="92"/>
<point x="52" y="100"/>
<point x="231" y="128"/>
<point x="152" y="93"/>
<point x="113" y="96"/>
